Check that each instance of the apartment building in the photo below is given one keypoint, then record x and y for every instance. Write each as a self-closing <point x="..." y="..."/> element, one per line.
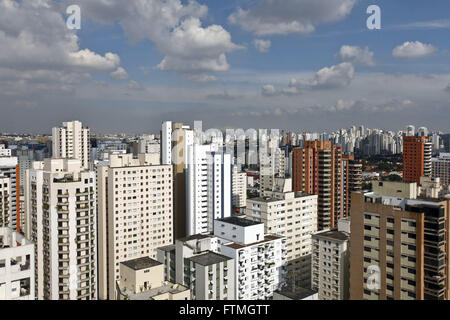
<point x="440" y="168"/>
<point x="195" y="262"/>
<point x="5" y="201"/>
<point x="316" y="169"/>
<point x="399" y="248"/>
<point x="331" y="264"/>
<point x="134" y="213"/>
<point x="259" y="258"/>
<point x="62" y="214"/>
<point x="4" y="152"/>
<point x="143" y="279"/>
<point x="350" y="181"/>
<point x="292" y="215"/>
<point x="10" y="170"/>
<point x="72" y="141"/>
<point x="239" y="185"/>
<point x="208" y="187"/>
<point x="416" y="158"/>
<point x="210" y="276"/>
<point x="16" y="266"/>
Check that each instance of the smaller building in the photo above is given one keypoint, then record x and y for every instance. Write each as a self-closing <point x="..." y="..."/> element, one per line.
<point x="16" y="266"/>
<point x="298" y="293"/>
<point x="143" y="279"/>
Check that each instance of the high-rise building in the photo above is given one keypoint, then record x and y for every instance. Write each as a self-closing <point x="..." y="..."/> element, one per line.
<point x="259" y="258"/>
<point x="440" y="168"/>
<point x="5" y="202"/>
<point x="416" y="158"/>
<point x="399" y="247"/>
<point x="61" y="220"/>
<point x="331" y="263"/>
<point x="350" y="181"/>
<point x="292" y="215"/>
<point x="134" y="213"/>
<point x="72" y="141"/>
<point x="208" y="187"/>
<point x="9" y="169"/>
<point x="239" y="184"/>
<point x="16" y="266"/>
<point x="316" y="169"/>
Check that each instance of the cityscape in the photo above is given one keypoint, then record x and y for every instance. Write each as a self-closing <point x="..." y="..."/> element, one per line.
<point x="220" y="169"/>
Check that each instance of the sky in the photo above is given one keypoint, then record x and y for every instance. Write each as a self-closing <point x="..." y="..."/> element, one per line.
<point x="302" y="65"/>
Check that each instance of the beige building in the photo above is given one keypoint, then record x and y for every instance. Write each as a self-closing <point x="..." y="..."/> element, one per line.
<point x="331" y="264"/>
<point x="399" y="248"/>
<point x="395" y="189"/>
<point x="143" y="279"/>
<point x="135" y="213"/>
<point x="239" y="185"/>
<point x="292" y="215"/>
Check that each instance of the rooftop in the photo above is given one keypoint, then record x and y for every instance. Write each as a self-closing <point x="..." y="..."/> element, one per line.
<point x="333" y="234"/>
<point x="296" y="294"/>
<point x="209" y="258"/>
<point x="242" y="222"/>
<point x="195" y="237"/>
<point x="167" y="248"/>
<point x="167" y="287"/>
<point x="141" y="263"/>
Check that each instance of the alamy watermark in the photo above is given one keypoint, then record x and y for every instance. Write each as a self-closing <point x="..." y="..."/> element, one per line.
<point x="73" y="22"/>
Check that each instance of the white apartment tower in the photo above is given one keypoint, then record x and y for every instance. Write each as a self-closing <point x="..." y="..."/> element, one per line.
<point x="9" y="169"/>
<point x="208" y="187"/>
<point x="166" y="143"/>
<point x="72" y="141"/>
<point x="134" y="213"/>
<point x="259" y="258"/>
<point x="61" y="210"/>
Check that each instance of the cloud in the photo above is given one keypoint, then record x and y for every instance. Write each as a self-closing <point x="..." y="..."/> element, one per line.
<point x="134" y="85"/>
<point x="203" y="78"/>
<point x="176" y="29"/>
<point x="274" y="17"/>
<point x="447" y="89"/>
<point x="269" y="90"/>
<point x="119" y="74"/>
<point x="356" y="55"/>
<point x="262" y="45"/>
<point x="413" y="50"/>
<point x="432" y="24"/>
<point x="40" y="54"/>
<point x="223" y="96"/>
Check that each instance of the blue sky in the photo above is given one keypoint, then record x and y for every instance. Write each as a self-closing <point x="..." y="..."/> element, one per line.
<point x="323" y="69"/>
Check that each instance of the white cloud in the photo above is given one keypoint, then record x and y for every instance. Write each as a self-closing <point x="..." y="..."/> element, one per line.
<point x="134" y="85"/>
<point x="262" y="45"/>
<point x="39" y="53"/>
<point x="175" y="28"/>
<point x="269" y="17"/>
<point x="119" y="74"/>
<point x="356" y="55"/>
<point x="413" y="50"/>
<point x="203" y="78"/>
<point x="269" y="90"/>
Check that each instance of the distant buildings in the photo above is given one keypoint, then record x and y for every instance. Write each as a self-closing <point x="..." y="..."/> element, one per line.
<point x="440" y="168"/>
<point x="239" y="186"/>
<point x="416" y="158"/>
<point x="72" y="141"/>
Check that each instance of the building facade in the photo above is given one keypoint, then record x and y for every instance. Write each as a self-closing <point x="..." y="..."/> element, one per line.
<point x="72" y="141"/>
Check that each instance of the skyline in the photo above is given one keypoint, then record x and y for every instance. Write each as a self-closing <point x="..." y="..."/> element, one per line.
<point x="227" y="64"/>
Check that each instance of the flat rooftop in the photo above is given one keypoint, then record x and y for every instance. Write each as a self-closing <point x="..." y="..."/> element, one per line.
<point x="141" y="263"/>
<point x="195" y="237"/>
<point x="154" y="292"/>
<point x="167" y="248"/>
<point x="209" y="258"/>
<point x="267" y="238"/>
<point x="333" y="234"/>
<point x="297" y="294"/>
<point x="242" y="222"/>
